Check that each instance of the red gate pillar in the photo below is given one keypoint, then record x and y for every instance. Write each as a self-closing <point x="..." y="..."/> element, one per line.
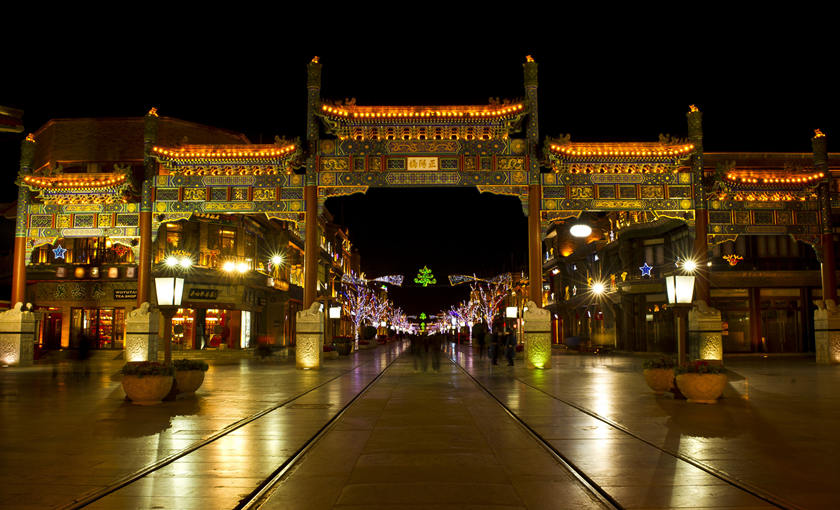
<point x="144" y="262"/>
<point x="311" y="249"/>
<point x="532" y="132"/>
<point x="27" y="154"/>
<point x="310" y="190"/>
<point x="701" y="214"/>
<point x="829" y="266"/>
<point x="534" y="246"/>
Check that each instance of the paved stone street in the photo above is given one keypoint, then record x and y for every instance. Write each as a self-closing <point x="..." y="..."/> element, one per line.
<point x="424" y="439"/>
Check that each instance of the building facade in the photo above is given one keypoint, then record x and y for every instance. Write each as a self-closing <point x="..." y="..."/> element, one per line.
<point x="83" y="195"/>
<point x="759" y="226"/>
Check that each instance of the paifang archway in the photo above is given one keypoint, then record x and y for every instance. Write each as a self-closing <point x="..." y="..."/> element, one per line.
<point x="493" y="147"/>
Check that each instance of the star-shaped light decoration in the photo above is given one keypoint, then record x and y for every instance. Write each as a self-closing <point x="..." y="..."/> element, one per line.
<point x="646" y="269"/>
<point x="59" y="251"/>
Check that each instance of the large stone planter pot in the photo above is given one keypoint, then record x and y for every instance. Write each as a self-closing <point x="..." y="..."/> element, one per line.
<point x="146" y="390"/>
<point x="702" y="388"/>
<point x="343" y="348"/>
<point x="189" y="381"/>
<point x="660" y="380"/>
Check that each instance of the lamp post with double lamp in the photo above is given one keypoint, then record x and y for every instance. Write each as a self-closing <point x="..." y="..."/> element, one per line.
<point x="169" y="291"/>
<point x="680" y="289"/>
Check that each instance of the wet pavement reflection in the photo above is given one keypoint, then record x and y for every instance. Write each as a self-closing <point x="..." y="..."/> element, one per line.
<point x="773" y="432"/>
<point x="77" y="432"/>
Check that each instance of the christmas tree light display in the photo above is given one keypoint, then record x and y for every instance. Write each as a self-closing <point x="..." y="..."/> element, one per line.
<point x="425" y="277"/>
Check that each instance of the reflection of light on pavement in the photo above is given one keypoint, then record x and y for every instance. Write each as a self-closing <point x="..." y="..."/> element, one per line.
<point x="602" y="393"/>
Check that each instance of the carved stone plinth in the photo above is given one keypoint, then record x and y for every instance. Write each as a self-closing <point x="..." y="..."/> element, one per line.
<point x="17" y="334"/>
<point x="141" y="334"/>
<point x="537" y="336"/>
<point x="309" y="345"/>
<point x="827" y="332"/>
<point x="705" y="333"/>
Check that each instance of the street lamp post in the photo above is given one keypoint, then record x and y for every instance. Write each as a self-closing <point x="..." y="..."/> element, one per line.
<point x="680" y="292"/>
<point x="169" y="291"/>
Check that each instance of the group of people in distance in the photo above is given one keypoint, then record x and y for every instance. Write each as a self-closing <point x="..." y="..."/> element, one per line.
<point x="426" y="349"/>
<point x="500" y="340"/>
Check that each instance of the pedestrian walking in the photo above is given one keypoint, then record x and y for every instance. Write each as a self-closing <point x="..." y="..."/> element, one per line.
<point x="510" y="347"/>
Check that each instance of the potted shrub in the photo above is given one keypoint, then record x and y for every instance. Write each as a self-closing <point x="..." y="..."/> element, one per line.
<point x="364" y="344"/>
<point x="189" y="374"/>
<point x="343" y="345"/>
<point x="147" y="382"/>
<point x="701" y="382"/>
<point x="659" y="374"/>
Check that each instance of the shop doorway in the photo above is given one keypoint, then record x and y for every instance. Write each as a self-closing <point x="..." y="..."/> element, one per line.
<point x="52" y="331"/>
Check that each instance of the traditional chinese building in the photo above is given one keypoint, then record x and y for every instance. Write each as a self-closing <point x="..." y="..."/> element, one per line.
<point x="759" y="226"/>
<point x="83" y="196"/>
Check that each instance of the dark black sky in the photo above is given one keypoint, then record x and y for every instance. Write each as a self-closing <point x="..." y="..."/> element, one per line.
<point x="761" y="79"/>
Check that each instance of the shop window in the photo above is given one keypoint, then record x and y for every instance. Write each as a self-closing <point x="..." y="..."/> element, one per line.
<point x="227" y="242"/>
<point x="100" y="328"/>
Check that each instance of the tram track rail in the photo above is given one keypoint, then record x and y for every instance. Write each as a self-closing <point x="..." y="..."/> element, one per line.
<point x="91" y="497"/>
<point x="596" y="490"/>
<point x="757" y="492"/>
<point x="717" y="473"/>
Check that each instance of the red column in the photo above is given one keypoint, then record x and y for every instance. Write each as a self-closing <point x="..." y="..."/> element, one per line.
<point x="701" y="253"/>
<point x="311" y="248"/>
<point x="19" y="270"/>
<point x="144" y="264"/>
<point x="534" y="246"/>
<point x="828" y="268"/>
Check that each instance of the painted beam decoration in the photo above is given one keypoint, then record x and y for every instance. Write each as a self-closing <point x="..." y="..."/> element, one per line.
<point x="247" y="179"/>
<point x="652" y="177"/>
<point x="408" y="146"/>
<point x="764" y="201"/>
<point x="80" y="205"/>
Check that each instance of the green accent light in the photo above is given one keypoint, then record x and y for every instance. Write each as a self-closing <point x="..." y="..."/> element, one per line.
<point x="425" y="277"/>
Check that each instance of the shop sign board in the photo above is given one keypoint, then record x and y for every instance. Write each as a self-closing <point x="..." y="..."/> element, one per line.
<point x="125" y="294"/>
<point x="198" y="293"/>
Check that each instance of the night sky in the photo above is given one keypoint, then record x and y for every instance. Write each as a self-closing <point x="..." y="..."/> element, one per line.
<point x="761" y="86"/>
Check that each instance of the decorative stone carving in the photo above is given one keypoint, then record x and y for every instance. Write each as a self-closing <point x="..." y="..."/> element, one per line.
<point x="537" y="336"/>
<point x="705" y="337"/>
<point x="309" y="346"/>
<point x="141" y="334"/>
<point x="17" y="334"/>
<point x="827" y="331"/>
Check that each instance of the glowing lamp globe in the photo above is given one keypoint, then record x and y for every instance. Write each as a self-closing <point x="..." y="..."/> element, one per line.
<point x="169" y="290"/>
<point x="680" y="288"/>
<point x="580" y="230"/>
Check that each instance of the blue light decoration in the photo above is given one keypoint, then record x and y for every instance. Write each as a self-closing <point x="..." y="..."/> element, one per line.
<point x="646" y="270"/>
<point x="59" y="252"/>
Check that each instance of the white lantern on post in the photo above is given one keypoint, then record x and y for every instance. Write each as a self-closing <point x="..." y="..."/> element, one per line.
<point x="169" y="291"/>
<point x="680" y="289"/>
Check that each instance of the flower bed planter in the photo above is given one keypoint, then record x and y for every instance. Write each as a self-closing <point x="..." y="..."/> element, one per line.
<point x="189" y="381"/>
<point x="189" y="374"/>
<point x="701" y="388"/>
<point x="147" y="382"/>
<point x="147" y="390"/>
<point x="660" y="380"/>
<point x="701" y="382"/>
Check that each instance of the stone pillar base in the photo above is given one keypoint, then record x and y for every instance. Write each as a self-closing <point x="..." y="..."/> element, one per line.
<point x="309" y="343"/>
<point x="705" y="333"/>
<point x="141" y="334"/>
<point x="827" y="332"/>
<point x="17" y="335"/>
<point x="537" y="337"/>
